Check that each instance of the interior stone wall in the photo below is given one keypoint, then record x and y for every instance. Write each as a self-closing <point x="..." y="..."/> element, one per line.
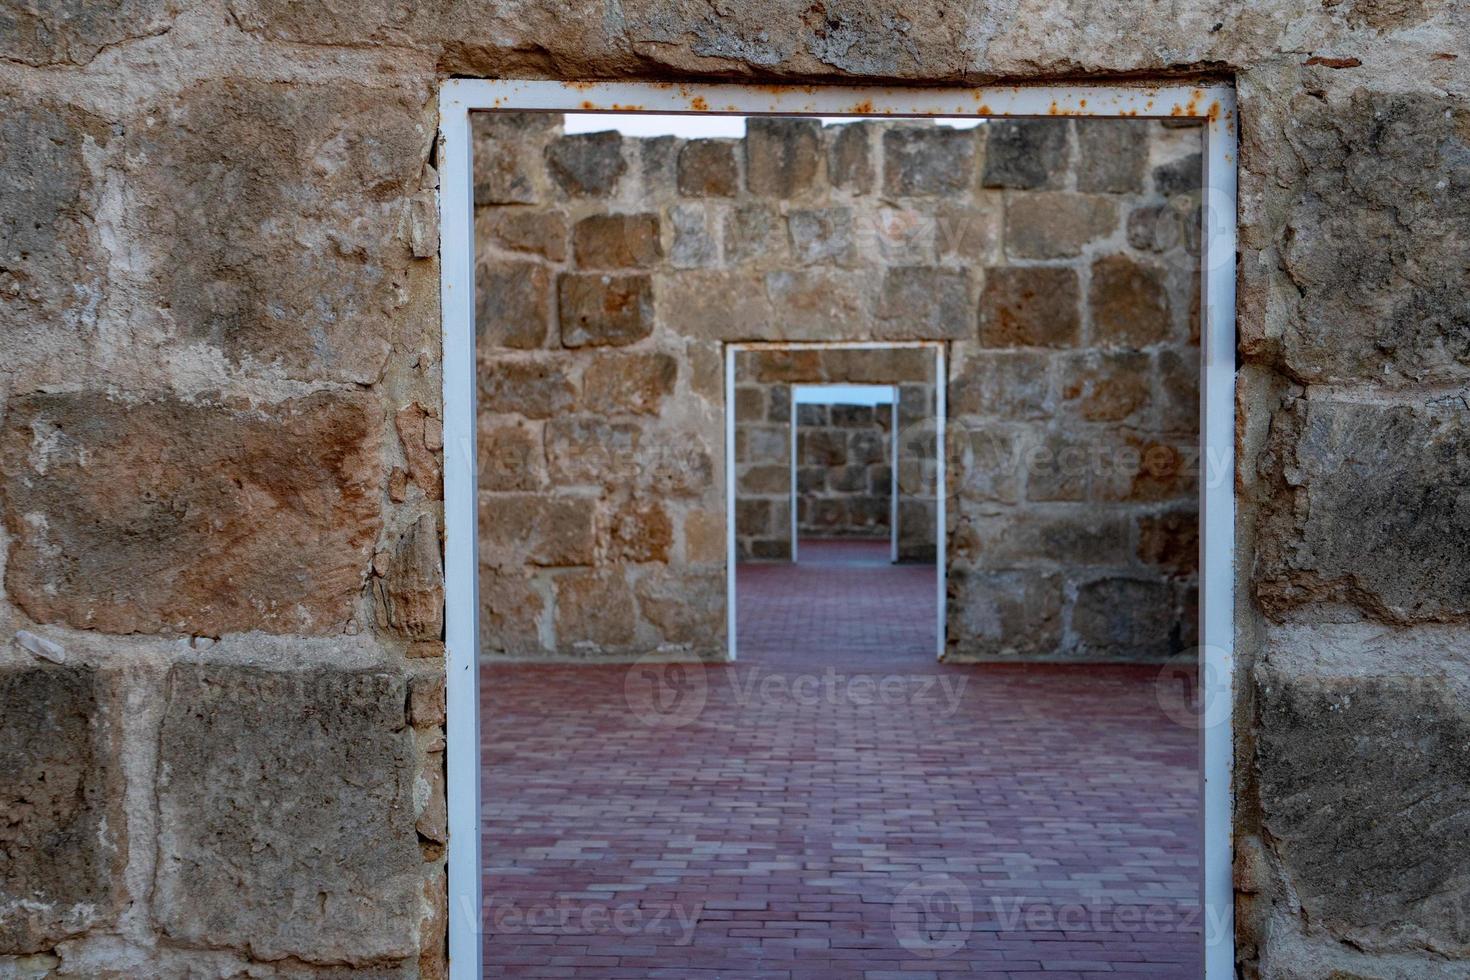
<point x="218" y="234"/>
<point x="844" y="462"/>
<point x="1051" y="256"/>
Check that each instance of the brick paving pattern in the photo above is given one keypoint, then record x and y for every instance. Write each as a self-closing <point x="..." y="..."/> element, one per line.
<point x="840" y="805"/>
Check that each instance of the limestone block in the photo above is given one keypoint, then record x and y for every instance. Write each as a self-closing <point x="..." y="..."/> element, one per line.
<point x="286" y="814"/>
<point x="595" y="611"/>
<point x="537" y="388"/>
<point x="604" y="310"/>
<point x="707" y="168"/>
<point x="1026" y="153"/>
<point x="118" y="510"/>
<point x="781" y="155"/>
<point x="925" y="162"/>
<point x="1030" y="307"/>
<point x="587" y="164"/>
<point x="537" y="529"/>
<point x="632" y="383"/>
<point x="1053" y="225"/>
<point x="1112" y="155"/>
<point x="617" y="241"/>
<point x="1126" y="619"/>
<point x="1129" y="301"/>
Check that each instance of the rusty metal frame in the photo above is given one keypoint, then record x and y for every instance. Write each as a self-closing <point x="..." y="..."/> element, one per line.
<point x="1213" y="104"/>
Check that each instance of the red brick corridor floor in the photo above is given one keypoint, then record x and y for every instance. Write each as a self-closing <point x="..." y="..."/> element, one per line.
<point x="837" y="804"/>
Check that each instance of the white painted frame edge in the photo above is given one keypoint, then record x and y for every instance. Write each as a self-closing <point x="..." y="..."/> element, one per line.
<point x="1215" y="105"/>
<point x="892" y="404"/>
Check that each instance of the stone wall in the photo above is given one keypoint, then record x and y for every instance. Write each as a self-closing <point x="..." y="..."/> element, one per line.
<point x="844" y="463"/>
<point x="219" y="208"/>
<point x="1051" y="256"/>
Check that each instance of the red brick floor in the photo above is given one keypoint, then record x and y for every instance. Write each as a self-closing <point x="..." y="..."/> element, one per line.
<point x="837" y="804"/>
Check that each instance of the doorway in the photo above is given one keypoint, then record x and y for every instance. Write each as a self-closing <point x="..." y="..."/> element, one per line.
<point x="1214" y="106"/>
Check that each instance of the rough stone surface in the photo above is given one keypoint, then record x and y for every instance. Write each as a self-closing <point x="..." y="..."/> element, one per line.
<point x="534" y="529"/>
<point x="781" y="155"/>
<point x="73" y="33"/>
<point x="588" y="164"/>
<point x="411" y="592"/>
<point x="707" y="168"/>
<point x="1052" y="226"/>
<point x="1112" y="155"/>
<point x="604" y="310"/>
<point x="1364" y="796"/>
<point x="594" y="610"/>
<point x="512" y="304"/>
<point x="117" y="509"/>
<point x="1026" y="153"/>
<point x="616" y="241"/>
<point x="1130" y="302"/>
<point x="1030" y="307"/>
<point x="542" y="233"/>
<point x="849" y="158"/>
<point x="285" y="805"/>
<point x="926" y="303"/>
<point x="308" y="175"/>
<point x="537" y="389"/>
<point x="58" y="790"/>
<point x="1367" y="510"/>
<point x="635" y="383"/>
<point x="926" y="162"/>
<point x="50" y="265"/>
<point x="1120" y="618"/>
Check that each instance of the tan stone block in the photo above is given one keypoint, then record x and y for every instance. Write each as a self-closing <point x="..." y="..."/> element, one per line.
<point x="413" y="423"/>
<point x="586" y="450"/>
<point x="617" y="241"/>
<point x="781" y="155"/>
<point x="594" y="611"/>
<point x="537" y="388"/>
<point x="686" y="605"/>
<point x="604" y="310"/>
<point x="704" y="537"/>
<point x="1030" y="307"/>
<point x="1106" y="386"/>
<point x="1054" y="224"/>
<point x="117" y="511"/>
<point x="714" y="304"/>
<point x="1129" y="301"/>
<point x="629" y="383"/>
<point x="411" y="591"/>
<point x="510" y="612"/>
<point x="640" y="532"/>
<point x="542" y="233"/>
<point x="537" y="529"/>
<point x="509" y="456"/>
<point x="707" y="169"/>
<point x="1170" y="540"/>
<point x="512" y="304"/>
<point x="587" y="164"/>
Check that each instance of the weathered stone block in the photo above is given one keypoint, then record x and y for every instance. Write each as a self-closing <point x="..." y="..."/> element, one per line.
<point x="537" y="529"/>
<point x="1004" y="614"/>
<point x="510" y="612"/>
<point x="1126" y="619"/>
<point x="781" y="155"/>
<point x="1170" y="540"/>
<point x="753" y="231"/>
<point x="541" y="233"/>
<point x="849" y="157"/>
<point x="507" y="156"/>
<point x="286" y="814"/>
<point x="51" y="268"/>
<point x="1363" y="790"/>
<point x="821" y="447"/>
<point x="989" y="466"/>
<point x="816" y="303"/>
<point x="636" y="383"/>
<point x="117" y="511"/>
<point x="821" y="235"/>
<point x="1107" y="386"/>
<point x="270" y="213"/>
<point x="926" y="302"/>
<point x="1179" y="176"/>
<point x="753" y="517"/>
<point x="694" y="243"/>
<point x="1113" y="154"/>
<point x="72" y="33"/>
<point x="1008" y="384"/>
<point x="704" y="537"/>
<point x="422" y="438"/>
<point x="639" y="532"/>
<point x="617" y="241"/>
<point x="1368" y="509"/>
<point x="509" y="456"/>
<point x="707" y="169"/>
<point x="1376" y="220"/>
<point x="1030" y="307"/>
<point x="587" y="450"/>
<point x="675" y="463"/>
<point x="1026" y="153"/>
<point x="750" y="403"/>
<point x="1055" y="225"/>
<point x="1179" y="373"/>
<point x="587" y="164"/>
<point x="766" y="479"/>
<point x="973" y="233"/>
<point x="537" y="389"/>
<point x="1130" y="302"/>
<point x="714" y="304"/>
<point x="926" y="162"/>
<point x="594" y="611"/>
<point x="604" y="310"/>
<point x="411" y="592"/>
<point x="512" y="304"/>
<point x="60" y="791"/>
<point x="687" y="606"/>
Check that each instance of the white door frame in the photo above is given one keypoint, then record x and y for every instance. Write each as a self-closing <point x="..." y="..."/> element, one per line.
<point x="1213" y="104"/>
<point x="892" y="392"/>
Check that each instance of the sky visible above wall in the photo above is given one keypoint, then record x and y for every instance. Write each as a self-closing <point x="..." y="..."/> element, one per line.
<point x="695" y="126"/>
